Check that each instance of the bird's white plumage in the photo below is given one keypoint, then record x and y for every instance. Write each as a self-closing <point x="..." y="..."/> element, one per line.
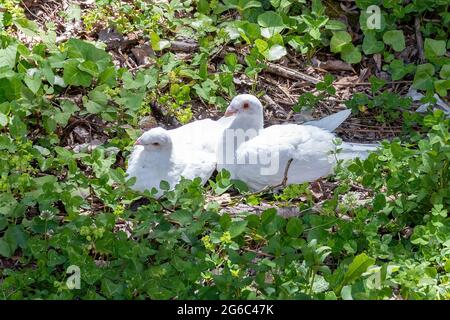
<point x="192" y="153"/>
<point x="262" y="160"/>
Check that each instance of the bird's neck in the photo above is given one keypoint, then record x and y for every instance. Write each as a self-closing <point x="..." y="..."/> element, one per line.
<point x="160" y="159"/>
<point x="240" y="130"/>
<point x="255" y="123"/>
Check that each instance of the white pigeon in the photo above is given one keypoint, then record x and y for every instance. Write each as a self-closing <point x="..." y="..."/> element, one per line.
<point x="201" y="134"/>
<point x="260" y="157"/>
<point x="157" y="157"/>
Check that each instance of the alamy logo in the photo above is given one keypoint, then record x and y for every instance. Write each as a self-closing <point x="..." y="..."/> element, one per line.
<point x="73" y="281"/>
<point x="267" y="160"/>
<point x="373" y="17"/>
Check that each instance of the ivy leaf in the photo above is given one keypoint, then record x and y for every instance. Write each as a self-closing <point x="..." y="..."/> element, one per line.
<point x="379" y="202"/>
<point x="335" y="25"/>
<point x="8" y="56"/>
<point x="33" y="82"/>
<point x="55" y="259"/>
<point x="423" y="79"/>
<point x="276" y="52"/>
<point x="74" y="76"/>
<point x="16" y="237"/>
<point x="3" y="120"/>
<point x="79" y="49"/>
<point x="271" y="22"/>
<point x="376" y="84"/>
<point x="351" y="54"/>
<point x="434" y="48"/>
<point x="17" y="127"/>
<point x="89" y="67"/>
<point x="294" y="227"/>
<point x="371" y="45"/>
<point x="10" y="89"/>
<point x="111" y="289"/>
<point x="5" y="249"/>
<point x="339" y="40"/>
<point x="157" y="43"/>
<point x="237" y="227"/>
<point x="183" y="217"/>
<point x="442" y="86"/>
<point x="395" y="39"/>
<point x="445" y="71"/>
<point x="399" y="70"/>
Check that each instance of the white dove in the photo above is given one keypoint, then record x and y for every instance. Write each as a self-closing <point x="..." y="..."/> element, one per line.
<point x="157" y="157"/>
<point x="280" y="154"/>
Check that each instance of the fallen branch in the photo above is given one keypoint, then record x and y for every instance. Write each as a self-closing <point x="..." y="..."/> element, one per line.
<point x="419" y="39"/>
<point x="289" y="73"/>
<point x="356" y="84"/>
<point x="270" y="67"/>
<point x="279" y="111"/>
<point x="183" y="46"/>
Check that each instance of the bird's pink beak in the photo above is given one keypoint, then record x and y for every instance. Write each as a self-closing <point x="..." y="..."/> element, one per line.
<point x="230" y="112"/>
<point x="138" y="142"/>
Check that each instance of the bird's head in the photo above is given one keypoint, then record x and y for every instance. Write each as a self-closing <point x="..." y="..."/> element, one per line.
<point x="156" y="139"/>
<point x="245" y="105"/>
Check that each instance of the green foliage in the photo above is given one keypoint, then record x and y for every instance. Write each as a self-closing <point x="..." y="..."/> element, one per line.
<point x="62" y="208"/>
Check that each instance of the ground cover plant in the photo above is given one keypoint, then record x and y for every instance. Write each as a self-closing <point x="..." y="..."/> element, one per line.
<point x="80" y="80"/>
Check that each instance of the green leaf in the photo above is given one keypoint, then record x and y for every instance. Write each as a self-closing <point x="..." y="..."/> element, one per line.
<point x="5" y="249"/>
<point x="74" y="76"/>
<point x="3" y="120"/>
<point x="157" y="43"/>
<point x="271" y="22"/>
<point x="445" y="72"/>
<point x="237" y="227"/>
<point x="164" y="185"/>
<point x="294" y="227"/>
<point x="16" y="237"/>
<point x="442" y="86"/>
<point x="92" y="106"/>
<point x="10" y="89"/>
<point x="55" y="259"/>
<point x="339" y="40"/>
<point x="89" y="67"/>
<point x="203" y="6"/>
<point x="434" y="48"/>
<point x="34" y="82"/>
<point x="276" y="52"/>
<point x="335" y="25"/>
<point x="8" y="203"/>
<point x="399" y="70"/>
<point x="351" y="54"/>
<point x="376" y="84"/>
<point x="182" y="216"/>
<point x="379" y="202"/>
<point x="79" y="49"/>
<point x="8" y="56"/>
<point x="423" y="79"/>
<point x="346" y="293"/>
<point x="17" y="128"/>
<point x="371" y="45"/>
<point x="395" y="39"/>
<point x="357" y="268"/>
<point x="112" y="289"/>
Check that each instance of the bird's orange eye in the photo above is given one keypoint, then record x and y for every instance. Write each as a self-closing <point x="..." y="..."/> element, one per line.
<point x="156" y="144"/>
<point x="246" y="105"/>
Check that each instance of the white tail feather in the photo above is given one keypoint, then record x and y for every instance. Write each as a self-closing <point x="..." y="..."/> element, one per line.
<point x="355" y="150"/>
<point x="331" y="122"/>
